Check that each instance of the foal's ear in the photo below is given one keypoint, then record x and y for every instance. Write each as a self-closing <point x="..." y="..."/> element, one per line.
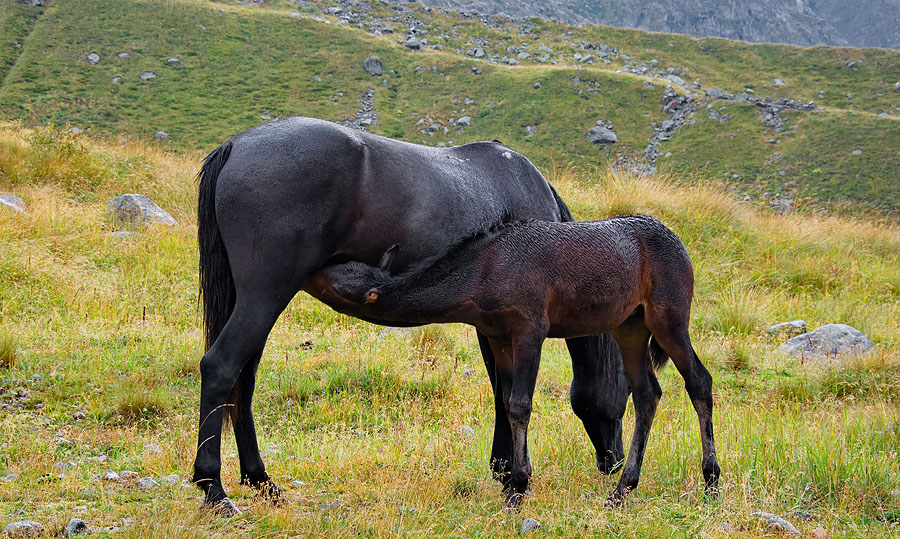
<point x="387" y="258"/>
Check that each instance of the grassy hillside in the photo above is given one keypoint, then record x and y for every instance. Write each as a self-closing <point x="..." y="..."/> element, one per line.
<point x="369" y="424"/>
<point x="241" y="65"/>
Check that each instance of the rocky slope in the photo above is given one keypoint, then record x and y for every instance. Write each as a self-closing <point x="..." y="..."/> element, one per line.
<point x="866" y="23"/>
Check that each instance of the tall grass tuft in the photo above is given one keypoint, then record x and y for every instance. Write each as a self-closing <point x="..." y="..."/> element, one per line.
<point x="8" y="349"/>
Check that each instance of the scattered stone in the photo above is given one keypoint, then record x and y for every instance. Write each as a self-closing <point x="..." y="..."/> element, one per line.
<point x="12" y="203"/>
<point x="117" y="79"/>
<point x="173" y="61"/>
<point x="464" y="121"/>
<point x="530" y="130"/>
<point x="794" y="327"/>
<point x="9" y="478"/>
<point x="63" y="466"/>
<point x="857" y="152"/>
<point x="153" y="449"/>
<point x="777" y="82"/>
<point x="128" y="474"/>
<point x="820" y="533"/>
<point x="851" y="64"/>
<point x="726" y="527"/>
<point x="93" y="58"/>
<point x="467" y="431"/>
<point x="161" y="134"/>
<point x="537" y="85"/>
<point x="63" y="441"/>
<point x="23" y="528"/>
<point x="147" y="483"/>
<point x="333" y="10"/>
<point x="477" y="70"/>
<point x="110" y="475"/>
<point x="147" y="75"/>
<point x="366" y="115"/>
<point x="372" y="65"/>
<point x="897" y="86"/>
<point x="297" y="484"/>
<point x="169" y="480"/>
<point x="75" y="526"/>
<point x="123" y="55"/>
<point x="776" y="523"/>
<point x="101" y="458"/>
<point x="602" y="135"/>
<point x="414" y="43"/>
<point x="528" y="525"/>
<point x="137" y="209"/>
<point x="828" y="342"/>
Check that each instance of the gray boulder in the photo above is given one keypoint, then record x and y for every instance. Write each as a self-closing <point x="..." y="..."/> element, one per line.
<point x="137" y="209"/>
<point x="828" y="342"/>
<point x="93" y="58"/>
<point x="372" y="65"/>
<point x="602" y="135"/>
<point x="173" y="61"/>
<point x="414" y="43"/>
<point x="161" y="134"/>
<point x="528" y="525"/>
<point x="464" y="121"/>
<point x="12" y="203"/>
<point x="23" y="528"/>
<point x="147" y="75"/>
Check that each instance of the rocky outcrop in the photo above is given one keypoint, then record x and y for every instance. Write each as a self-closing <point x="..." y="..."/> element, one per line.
<point x="832" y="341"/>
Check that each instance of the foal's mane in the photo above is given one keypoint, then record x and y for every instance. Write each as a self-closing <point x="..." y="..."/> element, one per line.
<point x="437" y="267"/>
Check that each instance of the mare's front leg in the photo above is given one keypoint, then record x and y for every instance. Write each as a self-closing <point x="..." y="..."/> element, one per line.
<point x="517" y="369"/>
<point x="633" y="338"/>
<point x="501" y="448"/>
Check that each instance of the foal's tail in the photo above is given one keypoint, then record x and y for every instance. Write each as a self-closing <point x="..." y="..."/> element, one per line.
<point x="216" y="281"/>
<point x="658" y="356"/>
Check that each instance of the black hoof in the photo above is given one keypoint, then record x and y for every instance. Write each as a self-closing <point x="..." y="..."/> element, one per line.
<point x="616" y="499"/>
<point x="513" y="503"/>
<point x="269" y="491"/>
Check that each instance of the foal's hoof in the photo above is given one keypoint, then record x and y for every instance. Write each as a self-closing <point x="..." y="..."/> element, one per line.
<point x="270" y="492"/>
<point x="616" y="499"/>
<point x="223" y="508"/>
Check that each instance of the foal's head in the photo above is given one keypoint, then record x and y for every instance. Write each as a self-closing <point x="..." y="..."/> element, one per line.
<point x="355" y="283"/>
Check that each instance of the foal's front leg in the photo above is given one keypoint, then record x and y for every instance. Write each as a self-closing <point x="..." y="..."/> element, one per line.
<point x="517" y="368"/>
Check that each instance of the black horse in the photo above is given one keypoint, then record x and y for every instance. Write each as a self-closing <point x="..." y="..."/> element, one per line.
<point x="282" y="200"/>
<point x="520" y="283"/>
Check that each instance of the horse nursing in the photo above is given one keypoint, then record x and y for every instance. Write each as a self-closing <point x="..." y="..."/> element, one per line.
<point x="521" y="283"/>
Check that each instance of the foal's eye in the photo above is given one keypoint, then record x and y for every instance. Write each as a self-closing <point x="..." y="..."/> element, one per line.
<point x="372" y="296"/>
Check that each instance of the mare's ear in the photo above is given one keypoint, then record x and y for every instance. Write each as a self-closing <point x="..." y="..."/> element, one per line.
<point x="387" y="258"/>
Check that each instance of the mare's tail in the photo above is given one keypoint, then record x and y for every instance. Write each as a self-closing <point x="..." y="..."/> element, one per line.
<point x="658" y="356"/>
<point x="216" y="282"/>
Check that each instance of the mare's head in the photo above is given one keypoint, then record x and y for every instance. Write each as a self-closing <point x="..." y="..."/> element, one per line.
<point x="354" y="283"/>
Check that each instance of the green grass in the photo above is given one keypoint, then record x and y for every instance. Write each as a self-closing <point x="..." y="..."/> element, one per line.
<point x="370" y="424"/>
<point x="258" y="60"/>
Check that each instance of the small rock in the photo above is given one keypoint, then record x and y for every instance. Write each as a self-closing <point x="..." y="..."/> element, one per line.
<point x="110" y="475"/>
<point x="373" y="66"/>
<point x="12" y="203"/>
<point x="776" y="523"/>
<point x="794" y="327"/>
<point x="124" y="234"/>
<point x="93" y="58"/>
<point x="169" y="480"/>
<point x="829" y="342"/>
<point x="477" y="70"/>
<point x="153" y="449"/>
<point x="537" y="85"/>
<point x="147" y="483"/>
<point x="334" y="10"/>
<point x="74" y="527"/>
<point x="123" y="55"/>
<point x="101" y="458"/>
<point x="777" y="82"/>
<point x="467" y="431"/>
<point x="128" y="474"/>
<point x="897" y="86"/>
<point x="161" y="134"/>
<point x="464" y="121"/>
<point x="857" y="152"/>
<point x="63" y="466"/>
<point x="63" y="441"/>
<point x="726" y="527"/>
<point x="137" y="209"/>
<point x="173" y="61"/>
<point x="9" y="478"/>
<point x="147" y="75"/>
<point x="528" y="525"/>
<point x="297" y="484"/>
<point x="414" y="43"/>
<point x="23" y="528"/>
<point x="820" y="533"/>
<point x="479" y="53"/>
<point x="116" y="80"/>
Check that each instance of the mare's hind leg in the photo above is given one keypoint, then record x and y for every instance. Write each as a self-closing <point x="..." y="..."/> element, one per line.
<point x="671" y="331"/>
<point x="633" y="338"/>
<point x="253" y="471"/>
<point x="242" y="339"/>
<point x="599" y="394"/>
<point x="501" y="448"/>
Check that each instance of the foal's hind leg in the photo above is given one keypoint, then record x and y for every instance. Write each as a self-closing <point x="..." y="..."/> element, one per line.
<point x="671" y="331"/>
<point x="633" y="338"/>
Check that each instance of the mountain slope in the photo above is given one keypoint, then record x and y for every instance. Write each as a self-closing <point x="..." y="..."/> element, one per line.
<point x="237" y="66"/>
<point x="868" y="23"/>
